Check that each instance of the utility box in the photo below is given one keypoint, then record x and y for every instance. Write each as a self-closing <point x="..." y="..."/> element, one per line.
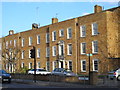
<point x="93" y="77"/>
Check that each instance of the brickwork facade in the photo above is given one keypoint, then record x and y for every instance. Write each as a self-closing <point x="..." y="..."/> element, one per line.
<point x="67" y="44"/>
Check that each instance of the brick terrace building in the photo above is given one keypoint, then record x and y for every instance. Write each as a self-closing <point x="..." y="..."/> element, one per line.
<point x="65" y="44"/>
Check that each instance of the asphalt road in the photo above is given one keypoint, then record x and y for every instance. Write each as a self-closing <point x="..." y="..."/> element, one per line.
<point x="19" y="85"/>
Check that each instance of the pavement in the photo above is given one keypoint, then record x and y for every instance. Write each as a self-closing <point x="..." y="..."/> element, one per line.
<point x="65" y="84"/>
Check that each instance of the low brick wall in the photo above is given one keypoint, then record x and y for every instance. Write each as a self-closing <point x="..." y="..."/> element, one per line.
<point x="52" y="78"/>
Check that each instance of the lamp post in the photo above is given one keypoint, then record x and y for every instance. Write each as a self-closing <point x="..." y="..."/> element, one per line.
<point x="89" y="64"/>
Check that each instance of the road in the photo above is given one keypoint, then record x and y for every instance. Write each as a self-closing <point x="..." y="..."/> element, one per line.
<point x="19" y="85"/>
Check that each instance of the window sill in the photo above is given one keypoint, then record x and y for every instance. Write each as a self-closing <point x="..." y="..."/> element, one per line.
<point x="69" y="54"/>
<point x="83" y="53"/>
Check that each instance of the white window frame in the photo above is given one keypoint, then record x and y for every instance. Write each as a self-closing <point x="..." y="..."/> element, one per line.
<point x="23" y="42"/>
<point x="30" y="41"/>
<point x="68" y="49"/>
<point x="54" y="50"/>
<point x="94" y="65"/>
<point x="83" y="43"/>
<point x="30" y="67"/>
<point x="29" y="53"/>
<point x="47" y="37"/>
<point x="23" y="54"/>
<point x="6" y="44"/>
<point x="60" y="49"/>
<point x="69" y="64"/>
<point x="93" y="47"/>
<point x="83" y="31"/>
<point x="15" y="43"/>
<point x="60" y="33"/>
<point x="10" y="42"/>
<point x="82" y="65"/>
<point x="54" y="37"/>
<point x="38" y="39"/>
<point x="47" y="65"/>
<point x="38" y="65"/>
<point x="54" y="64"/>
<point x="94" y="28"/>
<point x="22" y="65"/>
<point x="38" y="53"/>
<point x="68" y="33"/>
<point x="47" y="51"/>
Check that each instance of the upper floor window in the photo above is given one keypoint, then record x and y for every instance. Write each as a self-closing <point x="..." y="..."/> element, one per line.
<point x="54" y="50"/>
<point x="61" y="33"/>
<point x="94" y="46"/>
<point x="29" y="54"/>
<point x="69" y="33"/>
<point x="38" y="52"/>
<point x="22" y="56"/>
<point x="83" y="48"/>
<point x="69" y="48"/>
<point x="83" y="31"/>
<point x="95" y="65"/>
<point x="14" y="43"/>
<point x="38" y="39"/>
<point x="30" y="40"/>
<point x="83" y="65"/>
<point x="94" y="29"/>
<point x="10" y="42"/>
<point x="6" y="44"/>
<point x="54" y="36"/>
<point x="47" y="37"/>
<point x="23" y="42"/>
<point x="47" y="52"/>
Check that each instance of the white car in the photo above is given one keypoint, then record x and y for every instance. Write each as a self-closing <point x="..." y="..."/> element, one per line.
<point x="39" y="71"/>
<point x="63" y="72"/>
<point x="117" y="74"/>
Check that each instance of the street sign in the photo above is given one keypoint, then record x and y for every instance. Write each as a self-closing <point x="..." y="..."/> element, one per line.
<point x="89" y="54"/>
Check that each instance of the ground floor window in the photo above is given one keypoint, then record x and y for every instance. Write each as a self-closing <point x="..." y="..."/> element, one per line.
<point x="48" y="66"/>
<point x="70" y="65"/>
<point x="83" y="65"/>
<point x="54" y="64"/>
<point x="30" y="65"/>
<point x="38" y="65"/>
<point x="95" y="65"/>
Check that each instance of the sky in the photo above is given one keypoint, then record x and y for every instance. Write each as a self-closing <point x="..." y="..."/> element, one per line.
<point x="19" y="16"/>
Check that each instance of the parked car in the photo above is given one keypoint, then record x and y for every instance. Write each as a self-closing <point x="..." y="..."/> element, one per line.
<point x="111" y="74"/>
<point x="63" y="71"/>
<point x="117" y="74"/>
<point x="39" y="71"/>
<point x="4" y="76"/>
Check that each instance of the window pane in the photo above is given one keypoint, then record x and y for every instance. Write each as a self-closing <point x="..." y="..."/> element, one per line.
<point x="83" y="31"/>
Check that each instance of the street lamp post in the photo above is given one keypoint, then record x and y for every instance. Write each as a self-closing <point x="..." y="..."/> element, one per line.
<point x="89" y="65"/>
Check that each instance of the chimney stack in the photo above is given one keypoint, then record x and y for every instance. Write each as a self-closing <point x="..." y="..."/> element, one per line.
<point x="11" y="32"/>
<point x="97" y="8"/>
<point x="54" y="20"/>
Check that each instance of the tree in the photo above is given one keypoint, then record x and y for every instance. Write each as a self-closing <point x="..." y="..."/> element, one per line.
<point x="10" y="56"/>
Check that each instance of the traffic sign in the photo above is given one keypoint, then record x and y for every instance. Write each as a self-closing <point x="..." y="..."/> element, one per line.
<point x="89" y="54"/>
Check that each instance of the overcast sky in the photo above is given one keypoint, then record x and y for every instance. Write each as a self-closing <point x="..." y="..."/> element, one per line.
<point x="19" y="16"/>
